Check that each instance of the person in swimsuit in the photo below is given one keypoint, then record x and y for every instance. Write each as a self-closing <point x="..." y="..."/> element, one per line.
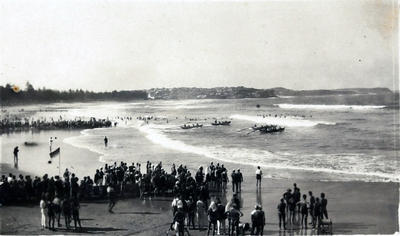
<point x="258" y="177"/>
<point x="304" y="211"/>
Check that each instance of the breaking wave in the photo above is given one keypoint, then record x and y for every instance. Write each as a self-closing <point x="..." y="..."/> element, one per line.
<point x="287" y="122"/>
<point x="327" y="107"/>
<point x="252" y="157"/>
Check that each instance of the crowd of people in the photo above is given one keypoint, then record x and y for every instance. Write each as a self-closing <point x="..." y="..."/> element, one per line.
<point x="294" y="208"/>
<point x="14" y="125"/>
<point x="197" y="199"/>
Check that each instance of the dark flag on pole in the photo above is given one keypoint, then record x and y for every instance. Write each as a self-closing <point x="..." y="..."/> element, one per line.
<point x="55" y="153"/>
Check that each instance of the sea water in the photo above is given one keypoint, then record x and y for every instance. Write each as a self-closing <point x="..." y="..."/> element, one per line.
<point x="340" y="138"/>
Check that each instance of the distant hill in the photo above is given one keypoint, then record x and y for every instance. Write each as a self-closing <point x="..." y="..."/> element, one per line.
<point x="279" y="91"/>
<point x="30" y="95"/>
<point x="203" y="93"/>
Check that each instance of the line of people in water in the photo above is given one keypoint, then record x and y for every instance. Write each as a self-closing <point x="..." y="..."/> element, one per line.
<point x="281" y="115"/>
<point x="196" y="199"/>
<point x="7" y="125"/>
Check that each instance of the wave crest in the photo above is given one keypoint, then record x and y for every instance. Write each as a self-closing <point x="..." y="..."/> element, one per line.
<point x="287" y="122"/>
<point x="327" y="107"/>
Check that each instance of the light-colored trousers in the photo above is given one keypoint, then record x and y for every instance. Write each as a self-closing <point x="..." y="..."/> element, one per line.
<point x="43" y="217"/>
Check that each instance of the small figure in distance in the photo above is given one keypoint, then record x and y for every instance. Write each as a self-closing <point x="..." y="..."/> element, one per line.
<point x="258" y="177"/>
<point x="16" y="150"/>
<point x="105" y="141"/>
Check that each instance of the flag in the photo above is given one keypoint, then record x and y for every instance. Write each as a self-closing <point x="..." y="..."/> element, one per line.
<point x="55" y="153"/>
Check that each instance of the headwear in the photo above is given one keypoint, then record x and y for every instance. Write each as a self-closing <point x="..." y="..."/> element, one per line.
<point x="213" y="206"/>
<point x="180" y="204"/>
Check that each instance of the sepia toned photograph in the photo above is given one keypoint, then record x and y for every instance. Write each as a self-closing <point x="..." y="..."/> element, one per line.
<point x="199" y="117"/>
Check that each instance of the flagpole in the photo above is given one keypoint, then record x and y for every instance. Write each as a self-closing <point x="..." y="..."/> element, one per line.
<point x="59" y="164"/>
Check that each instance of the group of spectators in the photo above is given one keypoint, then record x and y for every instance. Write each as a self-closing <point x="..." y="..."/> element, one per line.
<point x="196" y="199"/>
<point x="57" y="196"/>
<point x="8" y="125"/>
<point x="295" y="208"/>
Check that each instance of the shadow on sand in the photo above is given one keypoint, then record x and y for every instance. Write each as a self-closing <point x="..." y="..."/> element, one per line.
<point x="92" y="230"/>
<point x="350" y="228"/>
<point x="138" y="213"/>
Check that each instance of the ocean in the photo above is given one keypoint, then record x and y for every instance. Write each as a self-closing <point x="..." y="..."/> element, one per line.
<point x="332" y="138"/>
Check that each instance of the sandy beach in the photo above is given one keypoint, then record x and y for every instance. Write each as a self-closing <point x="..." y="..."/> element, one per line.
<point x="354" y="207"/>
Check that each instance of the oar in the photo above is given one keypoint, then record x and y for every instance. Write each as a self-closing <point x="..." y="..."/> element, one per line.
<point x="240" y="130"/>
<point x="251" y="132"/>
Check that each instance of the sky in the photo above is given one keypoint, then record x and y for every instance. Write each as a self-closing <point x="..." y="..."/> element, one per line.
<point x="104" y="45"/>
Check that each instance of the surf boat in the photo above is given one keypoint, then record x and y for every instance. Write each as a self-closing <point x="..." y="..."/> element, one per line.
<point x="226" y="122"/>
<point x="273" y="129"/>
<point x="191" y="126"/>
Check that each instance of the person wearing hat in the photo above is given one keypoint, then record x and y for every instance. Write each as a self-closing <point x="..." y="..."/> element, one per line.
<point x="257" y="220"/>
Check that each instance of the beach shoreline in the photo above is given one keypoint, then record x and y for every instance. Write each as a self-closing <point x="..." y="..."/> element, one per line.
<point x="355" y="207"/>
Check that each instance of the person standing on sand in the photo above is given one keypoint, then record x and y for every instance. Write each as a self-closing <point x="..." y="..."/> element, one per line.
<point x="221" y="217"/>
<point x="179" y="221"/>
<point x="57" y="208"/>
<point x="234" y="215"/>
<point x="234" y="183"/>
<point x="75" y="213"/>
<point x="304" y="211"/>
<point x="257" y="221"/>
<point x="16" y="150"/>
<point x="111" y="198"/>
<point x="51" y="215"/>
<point x="212" y="218"/>
<point x="287" y="195"/>
<point x="66" y="209"/>
<point x="225" y="180"/>
<point x="317" y="213"/>
<point x="105" y="141"/>
<point x="191" y="210"/>
<point x="239" y="180"/>
<point x="66" y="175"/>
<point x="282" y="214"/>
<point x="201" y="210"/>
<point x="42" y="211"/>
<point x="258" y="177"/>
<point x="324" y="203"/>
<point x="312" y="204"/>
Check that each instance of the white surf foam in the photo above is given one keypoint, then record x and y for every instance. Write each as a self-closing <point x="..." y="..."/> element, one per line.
<point x="157" y="137"/>
<point x="248" y="156"/>
<point x="327" y="107"/>
<point x="77" y="142"/>
<point x="286" y="122"/>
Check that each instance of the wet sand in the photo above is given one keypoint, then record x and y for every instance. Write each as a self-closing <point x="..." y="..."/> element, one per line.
<point x="34" y="159"/>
